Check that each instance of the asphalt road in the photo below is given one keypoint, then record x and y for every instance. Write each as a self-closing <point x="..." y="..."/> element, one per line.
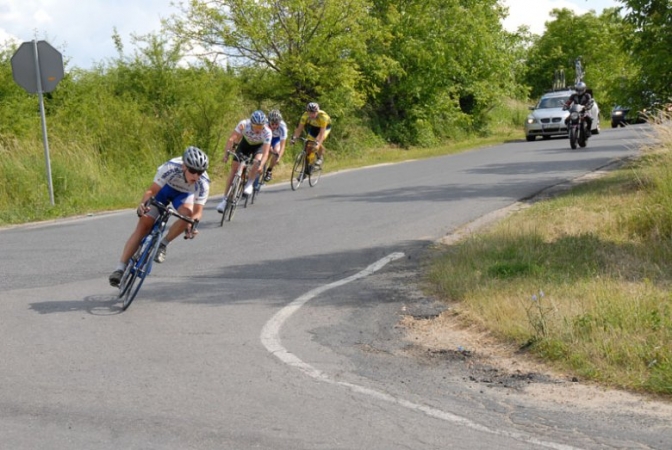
<point x="279" y="329"/>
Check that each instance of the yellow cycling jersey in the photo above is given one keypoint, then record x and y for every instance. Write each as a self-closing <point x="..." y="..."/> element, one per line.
<point x="321" y="121"/>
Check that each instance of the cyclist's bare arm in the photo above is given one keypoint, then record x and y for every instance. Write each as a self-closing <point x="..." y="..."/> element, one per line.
<point x="196" y="215"/>
<point x="265" y="152"/>
<point x="144" y="206"/>
<point x="297" y="132"/>
<point x="233" y="140"/>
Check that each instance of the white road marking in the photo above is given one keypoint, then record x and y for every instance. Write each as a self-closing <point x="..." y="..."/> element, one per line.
<point x="270" y="337"/>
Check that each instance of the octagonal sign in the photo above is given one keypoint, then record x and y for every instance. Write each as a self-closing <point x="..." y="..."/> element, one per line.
<point x="25" y="65"/>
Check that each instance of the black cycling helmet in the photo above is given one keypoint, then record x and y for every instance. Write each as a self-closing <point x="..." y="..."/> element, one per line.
<point x="312" y="107"/>
<point x="580" y="87"/>
<point x="195" y="159"/>
<point x="258" y="118"/>
<point x="274" y="116"/>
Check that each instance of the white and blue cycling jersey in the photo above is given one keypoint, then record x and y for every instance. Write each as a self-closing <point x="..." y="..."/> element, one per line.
<point x="170" y="176"/>
<point x="279" y="134"/>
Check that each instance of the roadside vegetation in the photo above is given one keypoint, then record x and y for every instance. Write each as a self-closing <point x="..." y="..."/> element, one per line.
<point x="581" y="281"/>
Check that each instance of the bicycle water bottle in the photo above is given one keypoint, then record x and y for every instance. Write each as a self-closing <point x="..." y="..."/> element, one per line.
<point x="311" y="158"/>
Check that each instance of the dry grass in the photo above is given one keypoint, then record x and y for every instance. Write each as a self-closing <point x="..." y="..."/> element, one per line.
<point x="581" y="280"/>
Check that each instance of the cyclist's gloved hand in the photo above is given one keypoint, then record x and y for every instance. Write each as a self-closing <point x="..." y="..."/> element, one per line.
<point x="143" y="209"/>
<point x="191" y="230"/>
<point x="292" y="141"/>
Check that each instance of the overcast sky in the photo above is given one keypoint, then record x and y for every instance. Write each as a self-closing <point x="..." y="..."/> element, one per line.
<point x="82" y="29"/>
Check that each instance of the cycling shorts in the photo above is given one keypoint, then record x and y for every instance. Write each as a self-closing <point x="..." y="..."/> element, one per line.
<point x="168" y="195"/>
<point x="314" y="131"/>
<point x="244" y="148"/>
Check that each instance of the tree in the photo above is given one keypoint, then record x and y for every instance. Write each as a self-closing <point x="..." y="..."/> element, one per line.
<point x="452" y="63"/>
<point x="651" y="42"/>
<point x="311" y="45"/>
<point x="596" y="41"/>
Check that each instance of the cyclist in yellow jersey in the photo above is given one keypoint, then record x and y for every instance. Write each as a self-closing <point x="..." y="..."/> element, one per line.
<point x="317" y="124"/>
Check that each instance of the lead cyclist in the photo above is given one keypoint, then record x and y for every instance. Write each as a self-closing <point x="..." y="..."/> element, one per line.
<point x="317" y="124"/>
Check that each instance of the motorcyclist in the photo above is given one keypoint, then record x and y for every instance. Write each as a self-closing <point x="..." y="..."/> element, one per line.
<point x="582" y="98"/>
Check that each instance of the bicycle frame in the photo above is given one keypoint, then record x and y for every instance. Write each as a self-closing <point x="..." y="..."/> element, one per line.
<point x="235" y="191"/>
<point x="304" y="165"/>
<point x="140" y="264"/>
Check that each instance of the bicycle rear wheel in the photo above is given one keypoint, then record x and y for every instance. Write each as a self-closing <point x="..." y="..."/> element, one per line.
<point x="299" y="170"/>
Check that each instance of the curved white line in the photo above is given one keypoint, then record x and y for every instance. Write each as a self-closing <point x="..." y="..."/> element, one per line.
<point x="270" y="337"/>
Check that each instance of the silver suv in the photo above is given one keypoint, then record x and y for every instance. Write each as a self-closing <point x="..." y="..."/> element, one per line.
<point x="548" y="118"/>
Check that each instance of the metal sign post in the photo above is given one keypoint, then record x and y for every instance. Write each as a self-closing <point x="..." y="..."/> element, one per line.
<point x="38" y="67"/>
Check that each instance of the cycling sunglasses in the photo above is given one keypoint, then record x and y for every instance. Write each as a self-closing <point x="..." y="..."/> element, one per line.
<point x="194" y="171"/>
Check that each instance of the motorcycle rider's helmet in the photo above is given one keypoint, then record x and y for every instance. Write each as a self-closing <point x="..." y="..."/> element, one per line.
<point x="258" y="118"/>
<point x="195" y="159"/>
<point x="312" y="107"/>
<point x="274" y="116"/>
<point x="580" y="88"/>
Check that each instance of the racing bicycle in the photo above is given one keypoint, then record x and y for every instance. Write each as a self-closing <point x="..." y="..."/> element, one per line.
<point x="235" y="192"/>
<point x="305" y="167"/>
<point x="140" y="264"/>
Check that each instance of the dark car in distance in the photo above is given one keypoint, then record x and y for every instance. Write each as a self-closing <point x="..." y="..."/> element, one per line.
<point x="623" y="115"/>
<point x="619" y="116"/>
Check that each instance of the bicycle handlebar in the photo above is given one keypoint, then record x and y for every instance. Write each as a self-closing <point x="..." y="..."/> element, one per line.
<point x="170" y="210"/>
<point x="240" y="158"/>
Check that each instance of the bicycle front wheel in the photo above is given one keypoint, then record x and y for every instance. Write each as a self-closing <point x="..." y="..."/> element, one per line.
<point x="232" y="202"/>
<point x="138" y="272"/>
<point x="314" y="174"/>
<point x="299" y="170"/>
<point x="258" y="184"/>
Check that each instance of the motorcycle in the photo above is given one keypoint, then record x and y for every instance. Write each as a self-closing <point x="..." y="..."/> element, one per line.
<point x="577" y="126"/>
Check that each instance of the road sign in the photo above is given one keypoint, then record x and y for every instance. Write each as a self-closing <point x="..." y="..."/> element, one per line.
<point x="25" y="66"/>
<point x="38" y="67"/>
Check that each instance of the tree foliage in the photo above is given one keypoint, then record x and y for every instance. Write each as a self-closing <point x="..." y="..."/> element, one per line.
<point x="310" y="46"/>
<point x="650" y="41"/>
<point x="595" y="40"/>
<point x="422" y="69"/>
<point x="452" y="62"/>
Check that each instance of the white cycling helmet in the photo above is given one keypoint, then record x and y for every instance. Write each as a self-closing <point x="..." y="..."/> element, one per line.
<point x="195" y="159"/>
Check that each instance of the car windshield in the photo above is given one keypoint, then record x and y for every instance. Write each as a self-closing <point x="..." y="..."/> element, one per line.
<point x="552" y="102"/>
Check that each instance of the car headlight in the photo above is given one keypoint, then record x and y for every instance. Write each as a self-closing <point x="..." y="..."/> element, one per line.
<point x="531" y="119"/>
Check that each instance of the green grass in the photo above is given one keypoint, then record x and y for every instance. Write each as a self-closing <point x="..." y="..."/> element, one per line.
<point x="581" y="281"/>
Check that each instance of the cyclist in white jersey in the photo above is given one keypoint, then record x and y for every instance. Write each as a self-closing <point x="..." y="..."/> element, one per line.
<point x="181" y="181"/>
<point x="254" y="138"/>
<point x="279" y="129"/>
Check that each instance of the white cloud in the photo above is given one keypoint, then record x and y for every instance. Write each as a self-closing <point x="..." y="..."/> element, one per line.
<point x="82" y="30"/>
<point x="535" y="13"/>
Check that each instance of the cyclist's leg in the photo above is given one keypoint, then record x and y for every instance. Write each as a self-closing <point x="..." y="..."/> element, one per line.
<point x="255" y="168"/>
<point x="145" y="223"/>
<point x="142" y="228"/>
<point x="229" y="179"/>
<point x="320" y="150"/>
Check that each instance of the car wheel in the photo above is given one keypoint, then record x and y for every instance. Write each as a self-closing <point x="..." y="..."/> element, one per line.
<point x="530" y="138"/>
